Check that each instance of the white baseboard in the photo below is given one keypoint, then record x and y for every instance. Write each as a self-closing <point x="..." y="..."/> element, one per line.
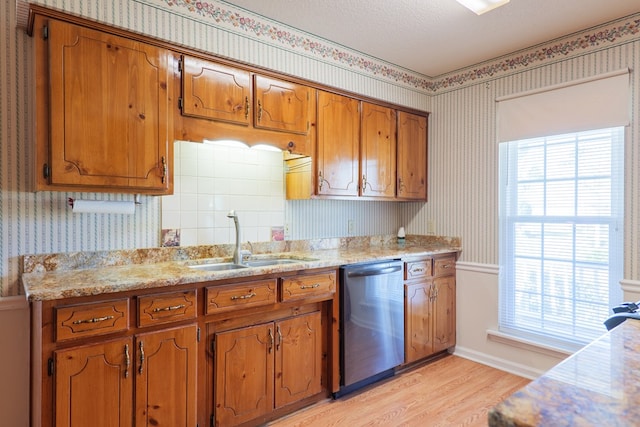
<point x="498" y="363"/>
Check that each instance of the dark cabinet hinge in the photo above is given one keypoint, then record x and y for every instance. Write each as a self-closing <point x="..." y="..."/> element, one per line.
<point x="180" y="103"/>
<point x="50" y="367"/>
<point x="198" y="335"/>
<point x="46" y="171"/>
<point x="45" y="32"/>
<point x="180" y="65"/>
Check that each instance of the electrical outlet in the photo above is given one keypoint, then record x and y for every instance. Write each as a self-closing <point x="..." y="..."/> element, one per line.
<point x="431" y="227"/>
<point x="351" y="227"/>
<point x="287" y="229"/>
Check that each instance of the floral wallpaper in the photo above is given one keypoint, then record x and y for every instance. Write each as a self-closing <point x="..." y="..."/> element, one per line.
<point x="604" y="36"/>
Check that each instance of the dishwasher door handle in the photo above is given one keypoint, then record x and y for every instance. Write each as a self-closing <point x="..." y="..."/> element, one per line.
<point x="364" y="272"/>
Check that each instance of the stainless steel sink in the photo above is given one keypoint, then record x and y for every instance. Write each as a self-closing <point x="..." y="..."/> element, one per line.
<point x="222" y="266"/>
<point x="267" y="262"/>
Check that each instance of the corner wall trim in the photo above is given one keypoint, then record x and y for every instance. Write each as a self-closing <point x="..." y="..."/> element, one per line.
<point x="630" y="285"/>
<point x="478" y="268"/>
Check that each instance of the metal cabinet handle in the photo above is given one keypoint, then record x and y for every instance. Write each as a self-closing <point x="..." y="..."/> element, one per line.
<point x="141" y="369"/>
<point x="259" y="111"/>
<point x="315" y="285"/>
<point x="364" y="183"/>
<point x="400" y="185"/>
<point x="320" y="181"/>
<point x="270" y="340"/>
<point x="279" y="338"/>
<point x="169" y="308"/>
<point x="92" y="320"/>
<point x="127" y="361"/>
<point x="235" y="297"/>
<point x="246" y="107"/>
<point x="165" y="169"/>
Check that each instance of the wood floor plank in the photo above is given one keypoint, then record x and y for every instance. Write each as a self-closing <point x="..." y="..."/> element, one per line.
<point x="448" y="392"/>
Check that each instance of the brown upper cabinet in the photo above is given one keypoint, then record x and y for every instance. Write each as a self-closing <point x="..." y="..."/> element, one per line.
<point x="412" y="156"/>
<point x="103" y="118"/>
<point x="378" y="151"/>
<point x="357" y="151"/>
<point x="221" y="101"/>
<point x="338" y="145"/>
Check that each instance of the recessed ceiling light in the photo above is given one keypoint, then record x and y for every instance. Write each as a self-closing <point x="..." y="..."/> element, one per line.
<point x="482" y="6"/>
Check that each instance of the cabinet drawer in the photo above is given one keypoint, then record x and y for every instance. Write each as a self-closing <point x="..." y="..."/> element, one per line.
<point x="168" y="307"/>
<point x="241" y="295"/>
<point x="308" y="285"/>
<point x="86" y="320"/>
<point x="444" y="266"/>
<point x="417" y="269"/>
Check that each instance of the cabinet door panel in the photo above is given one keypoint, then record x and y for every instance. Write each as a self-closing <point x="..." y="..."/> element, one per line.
<point x="378" y="151"/>
<point x="244" y="374"/>
<point x="94" y="386"/>
<point x="166" y="377"/>
<point x="214" y="91"/>
<point x="412" y="156"/>
<point x="281" y="105"/>
<point x="298" y="359"/>
<point x="418" y="319"/>
<point x="444" y="321"/>
<point x="338" y="145"/>
<point x="109" y="99"/>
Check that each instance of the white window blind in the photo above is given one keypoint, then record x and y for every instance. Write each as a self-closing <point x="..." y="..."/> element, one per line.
<point x="594" y="103"/>
<point x="561" y="235"/>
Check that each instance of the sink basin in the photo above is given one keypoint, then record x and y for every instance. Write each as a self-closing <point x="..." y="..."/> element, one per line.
<point x="266" y="262"/>
<point x="218" y="266"/>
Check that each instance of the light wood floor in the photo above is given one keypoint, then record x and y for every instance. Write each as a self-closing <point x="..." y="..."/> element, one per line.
<point x="451" y="391"/>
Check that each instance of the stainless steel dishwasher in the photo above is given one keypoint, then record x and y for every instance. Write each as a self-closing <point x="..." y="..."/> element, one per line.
<point x="371" y="323"/>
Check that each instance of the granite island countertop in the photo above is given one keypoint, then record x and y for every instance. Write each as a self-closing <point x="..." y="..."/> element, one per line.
<point x="56" y="276"/>
<point x="597" y="386"/>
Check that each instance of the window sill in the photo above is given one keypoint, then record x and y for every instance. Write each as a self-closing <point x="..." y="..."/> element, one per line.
<point x="525" y="344"/>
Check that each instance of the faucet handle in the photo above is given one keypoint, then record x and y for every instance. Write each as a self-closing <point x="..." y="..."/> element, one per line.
<point x="244" y="253"/>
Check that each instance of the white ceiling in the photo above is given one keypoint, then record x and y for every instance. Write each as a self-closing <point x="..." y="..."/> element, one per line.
<point x="433" y="37"/>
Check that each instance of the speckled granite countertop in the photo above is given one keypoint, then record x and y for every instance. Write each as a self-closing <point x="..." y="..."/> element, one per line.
<point x="597" y="386"/>
<point x="55" y="276"/>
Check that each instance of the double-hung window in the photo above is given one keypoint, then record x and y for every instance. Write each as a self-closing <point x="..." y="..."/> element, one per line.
<point x="561" y="209"/>
<point x="561" y="230"/>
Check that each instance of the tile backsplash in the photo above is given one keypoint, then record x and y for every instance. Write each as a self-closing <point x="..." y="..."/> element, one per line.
<point x="210" y="180"/>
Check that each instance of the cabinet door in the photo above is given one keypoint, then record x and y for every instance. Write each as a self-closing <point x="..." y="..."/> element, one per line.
<point x="109" y="104"/>
<point x="418" y="321"/>
<point x="215" y="91"/>
<point x="94" y="386"/>
<point x="244" y="361"/>
<point x="412" y="156"/>
<point x="338" y="145"/>
<point x="281" y="105"/>
<point x="166" y="377"/>
<point x="378" y="151"/>
<point x="444" y="313"/>
<point x="298" y="371"/>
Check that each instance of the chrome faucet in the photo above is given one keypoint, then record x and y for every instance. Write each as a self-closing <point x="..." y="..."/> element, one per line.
<point x="237" y="258"/>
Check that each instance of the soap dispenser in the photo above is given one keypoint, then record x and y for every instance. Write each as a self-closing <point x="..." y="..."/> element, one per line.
<point x="401" y="236"/>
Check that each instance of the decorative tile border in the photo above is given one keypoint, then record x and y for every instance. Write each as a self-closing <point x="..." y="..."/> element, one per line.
<point x="244" y="22"/>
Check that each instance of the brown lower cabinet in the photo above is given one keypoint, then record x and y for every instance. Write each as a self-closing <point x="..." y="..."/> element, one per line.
<point x="264" y="367"/>
<point x="430" y="307"/>
<point x="94" y="384"/>
<point x="141" y="358"/>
